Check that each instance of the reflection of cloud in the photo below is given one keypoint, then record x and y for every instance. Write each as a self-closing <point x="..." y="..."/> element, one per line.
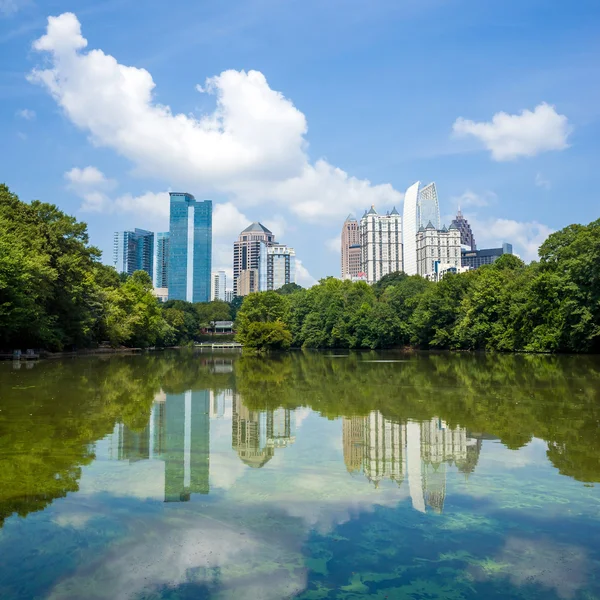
<point x="75" y="520"/>
<point x="301" y="414"/>
<point x="544" y="562"/>
<point x="190" y="549"/>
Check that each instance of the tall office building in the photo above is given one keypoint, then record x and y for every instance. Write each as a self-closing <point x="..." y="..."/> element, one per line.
<point x="190" y="248"/>
<point x="466" y="233"/>
<point x="437" y="247"/>
<point x="134" y="251"/>
<point x="219" y="281"/>
<point x="161" y="259"/>
<point x="421" y="206"/>
<point x="248" y="251"/>
<point x="281" y="266"/>
<point x="477" y="258"/>
<point x="351" y="254"/>
<point x="381" y="244"/>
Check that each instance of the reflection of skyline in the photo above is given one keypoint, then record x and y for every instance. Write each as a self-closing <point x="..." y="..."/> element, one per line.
<point x="178" y="433"/>
<point x="418" y="452"/>
<point x="256" y="434"/>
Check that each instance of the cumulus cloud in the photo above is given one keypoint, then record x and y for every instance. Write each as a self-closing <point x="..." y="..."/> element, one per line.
<point x="529" y="133"/>
<point x="91" y="185"/>
<point x="541" y="181"/>
<point x="470" y="198"/>
<point x="526" y="237"/>
<point x="303" y="277"/>
<point x="26" y="113"/>
<point x="252" y="147"/>
<point x="334" y="244"/>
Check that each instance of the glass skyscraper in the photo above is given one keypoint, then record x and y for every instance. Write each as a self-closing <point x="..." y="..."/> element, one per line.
<point x="161" y="259"/>
<point x="190" y="248"/>
<point x="134" y="251"/>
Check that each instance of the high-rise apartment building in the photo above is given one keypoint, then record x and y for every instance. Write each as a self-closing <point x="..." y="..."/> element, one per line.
<point x="477" y="258"/>
<point x="421" y="205"/>
<point x="437" y="247"/>
<point x="381" y="244"/>
<point x="466" y="233"/>
<point x="219" y="281"/>
<point x="134" y="251"/>
<point x="247" y="255"/>
<point x="351" y="254"/>
<point x="161" y="259"/>
<point x="190" y="248"/>
<point x="281" y="266"/>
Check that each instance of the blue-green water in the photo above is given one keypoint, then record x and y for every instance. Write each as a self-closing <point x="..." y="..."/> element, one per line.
<point x="312" y="476"/>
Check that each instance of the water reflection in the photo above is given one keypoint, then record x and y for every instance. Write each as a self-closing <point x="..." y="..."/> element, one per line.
<point x="186" y="476"/>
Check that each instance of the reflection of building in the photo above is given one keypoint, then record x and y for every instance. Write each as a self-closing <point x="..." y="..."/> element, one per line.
<point x="418" y="452"/>
<point x="256" y="434"/>
<point x="375" y="445"/>
<point x="219" y="402"/>
<point x="178" y="433"/>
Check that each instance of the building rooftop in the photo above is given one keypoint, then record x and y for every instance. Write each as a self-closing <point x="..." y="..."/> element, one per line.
<point x="257" y="227"/>
<point x="350" y="217"/>
<point x="372" y="210"/>
<point x="430" y="225"/>
<point x="394" y="211"/>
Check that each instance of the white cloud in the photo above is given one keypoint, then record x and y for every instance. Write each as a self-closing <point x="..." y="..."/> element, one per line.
<point x="527" y="134"/>
<point x="303" y="277"/>
<point x="541" y="181"/>
<point x="26" y="114"/>
<point x="526" y="237"/>
<point x="252" y="147"/>
<point x="88" y="176"/>
<point x="91" y="185"/>
<point x="470" y="198"/>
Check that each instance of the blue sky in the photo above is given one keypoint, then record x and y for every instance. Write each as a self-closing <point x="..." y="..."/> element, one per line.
<point x="307" y="102"/>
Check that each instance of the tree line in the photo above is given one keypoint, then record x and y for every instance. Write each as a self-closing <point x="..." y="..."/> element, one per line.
<point x="56" y="294"/>
<point x="550" y="305"/>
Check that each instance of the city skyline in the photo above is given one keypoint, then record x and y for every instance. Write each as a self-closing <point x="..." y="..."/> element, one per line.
<point x="508" y="152"/>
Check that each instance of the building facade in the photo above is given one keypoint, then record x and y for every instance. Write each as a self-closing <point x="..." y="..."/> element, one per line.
<point x="219" y="285"/>
<point x="134" y="251"/>
<point x="437" y="247"/>
<point x="476" y="258"/>
<point x="380" y="244"/>
<point x="190" y="248"/>
<point x="421" y="205"/>
<point x="247" y="253"/>
<point x="351" y="254"/>
<point x="428" y="207"/>
<point x="281" y="266"/>
<point x="161" y="259"/>
<point x="466" y="233"/>
<point x="248" y="282"/>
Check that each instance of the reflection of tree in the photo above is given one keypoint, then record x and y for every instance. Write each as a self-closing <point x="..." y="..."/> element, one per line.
<point x="513" y="397"/>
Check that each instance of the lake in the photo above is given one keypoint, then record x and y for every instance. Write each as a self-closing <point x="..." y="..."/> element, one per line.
<point x="182" y="475"/>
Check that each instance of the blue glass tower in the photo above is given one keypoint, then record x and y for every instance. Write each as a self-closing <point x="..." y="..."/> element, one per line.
<point x="161" y="259"/>
<point x="133" y="251"/>
<point x="190" y="248"/>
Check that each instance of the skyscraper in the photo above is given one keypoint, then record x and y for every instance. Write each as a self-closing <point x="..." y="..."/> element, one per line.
<point x="281" y="266"/>
<point x="466" y="233"/>
<point x="190" y="248"/>
<point x="429" y="207"/>
<point x="350" y="248"/>
<point x="134" y="251"/>
<point x="421" y="205"/>
<point x="247" y="255"/>
<point x="219" y="285"/>
<point x="161" y="259"/>
<point x="381" y="244"/>
<point x="441" y="246"/>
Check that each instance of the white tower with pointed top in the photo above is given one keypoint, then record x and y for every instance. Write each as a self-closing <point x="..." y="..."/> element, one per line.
<point x="381" y="244"/>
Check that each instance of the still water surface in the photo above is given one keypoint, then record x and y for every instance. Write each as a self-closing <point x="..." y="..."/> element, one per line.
<point x="311" y="476"/>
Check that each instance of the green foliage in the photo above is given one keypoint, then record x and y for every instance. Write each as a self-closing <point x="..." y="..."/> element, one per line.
<point x="260" y="322"/>
<point x="289" y="288"/>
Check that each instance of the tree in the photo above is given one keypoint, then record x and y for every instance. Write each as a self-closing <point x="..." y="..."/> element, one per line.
<point x="261" y="321"/>
<point x="388" y="280"/>
<point x="289" y="288"/>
